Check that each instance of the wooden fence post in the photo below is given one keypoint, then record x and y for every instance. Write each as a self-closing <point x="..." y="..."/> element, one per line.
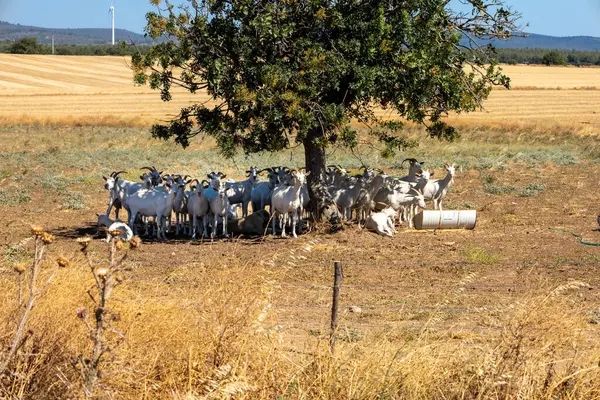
<point x="337" y="282"/>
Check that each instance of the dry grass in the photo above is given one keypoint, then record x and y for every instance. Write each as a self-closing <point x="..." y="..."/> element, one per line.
<point x="215" y="339"/>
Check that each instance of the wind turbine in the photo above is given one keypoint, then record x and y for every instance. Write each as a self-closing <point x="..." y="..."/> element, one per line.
<point x="111" y="10"/>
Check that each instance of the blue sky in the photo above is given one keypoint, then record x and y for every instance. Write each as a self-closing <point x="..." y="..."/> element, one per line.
<point x="549" y="17"/>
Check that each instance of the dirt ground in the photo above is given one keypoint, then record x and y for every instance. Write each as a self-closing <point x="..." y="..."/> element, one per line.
<point x="452" y="280"/>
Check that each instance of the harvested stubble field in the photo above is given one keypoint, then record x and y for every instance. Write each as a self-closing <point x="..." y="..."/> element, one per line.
<point x="510" y="309"/>
<point x="78" y="90"/>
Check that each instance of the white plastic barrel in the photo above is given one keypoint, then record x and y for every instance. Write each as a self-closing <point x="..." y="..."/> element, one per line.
<point x="447" y="219"/>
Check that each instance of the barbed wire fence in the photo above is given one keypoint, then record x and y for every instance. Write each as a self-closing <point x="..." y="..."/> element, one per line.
<point x="336" y="286"/>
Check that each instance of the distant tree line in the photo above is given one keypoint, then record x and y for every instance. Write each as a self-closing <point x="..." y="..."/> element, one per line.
<point x="31" y="46"/>
<point x="505" y="55"/>
<point x="548" y="57"/>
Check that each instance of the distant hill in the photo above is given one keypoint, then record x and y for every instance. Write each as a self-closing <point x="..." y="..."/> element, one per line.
<point x="535" y="41"/>
<point x="9" y="32"/>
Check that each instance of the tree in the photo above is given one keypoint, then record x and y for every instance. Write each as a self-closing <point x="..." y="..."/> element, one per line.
<point x="26" y="45"/>
<point x="285" y="71"/>
<point x="553" y="58"/>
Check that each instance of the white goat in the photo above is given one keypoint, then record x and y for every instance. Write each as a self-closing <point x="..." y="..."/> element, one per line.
<point x="262" y="191"/>
<point x="108" y="224"/>
<point x="241" y="192"/>
<point x="155" y="176"/>
<point x="364" y="202"/>
<point x="286" y="200"/>
<point x="304" y="202"/>
<point x="382" y="222"/>
<point x="414" y="169"/>
<point x="219" y="204"/>
<point x="436" y="190"/>
<point x="180" y="206"/>
<point x="198" y="207"/>
<point x="388" y="197"/>
<point x="119" y="190"/>
<point x="346" y="199"/>
<point x="336" y="175"/>
<point x="152" y="203"/>
<point x="419" y="186"/>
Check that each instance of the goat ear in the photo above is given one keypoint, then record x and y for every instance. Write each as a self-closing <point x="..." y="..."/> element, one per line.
<point x="307" y="174"/>
<point x="105" y="178"/>
<point x="97" y="215"/>
<point x="432" y="173"/>
<point x="223" y="176"/>
<point x="142" y="177"/>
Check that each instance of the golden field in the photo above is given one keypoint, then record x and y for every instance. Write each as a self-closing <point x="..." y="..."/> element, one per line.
<point x="81" y="90"/>
<point x="509" y="310"/>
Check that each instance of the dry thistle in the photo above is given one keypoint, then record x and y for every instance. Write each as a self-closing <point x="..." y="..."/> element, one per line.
<point x="62" y="262"/>
<point x="19" y="268"/>
<point x="102" y="272"/>
<point x="84" y="242"/>
<point x="37" y="230"/>
<point x="135" y="242"/>
<point x="115" y="232"/>
<point x="47" y="238"/>
<point x="81" y="312"/>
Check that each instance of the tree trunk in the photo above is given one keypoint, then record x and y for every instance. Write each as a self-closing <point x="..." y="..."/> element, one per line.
<point x="322" y="206"/>
<point x="314" y="157"/>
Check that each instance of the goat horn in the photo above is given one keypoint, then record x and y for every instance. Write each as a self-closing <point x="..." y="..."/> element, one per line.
<point x="148" y="168"/>
<point x="118" y="173"/>
<point x="412" y="160"/>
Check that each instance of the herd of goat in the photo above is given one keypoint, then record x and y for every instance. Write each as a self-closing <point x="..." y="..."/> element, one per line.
<point x="376" y="199"/>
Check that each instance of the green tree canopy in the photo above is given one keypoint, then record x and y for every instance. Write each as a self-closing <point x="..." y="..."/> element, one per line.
<point x="26" y="45"/>
<point x="553" y="58"/>
<point x="300" y="71"/>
